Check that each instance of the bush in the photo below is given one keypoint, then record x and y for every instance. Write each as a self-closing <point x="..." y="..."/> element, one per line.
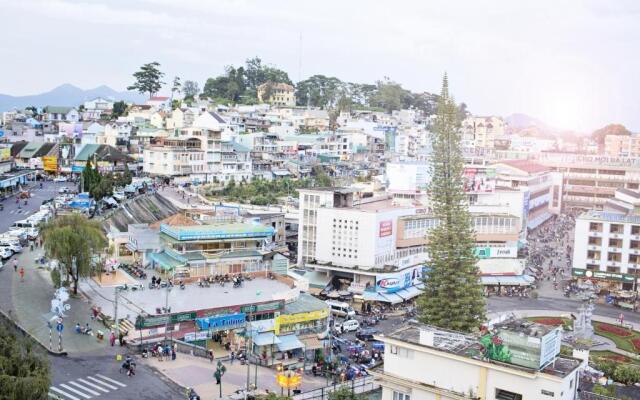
<point x="55" y="278"/>
<point x="627" y="374"/>
<point x="616" y="330"/>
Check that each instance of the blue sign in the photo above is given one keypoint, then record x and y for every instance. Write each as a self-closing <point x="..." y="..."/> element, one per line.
<point x="222" y="322"/>
<point x="77" y="168"/>
<point x="59" y="327"/>
<point x="1" y="133"/>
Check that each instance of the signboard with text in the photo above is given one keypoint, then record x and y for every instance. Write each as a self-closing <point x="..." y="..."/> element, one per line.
<point x="386" y="228"/>
<point x="392" y="282"/>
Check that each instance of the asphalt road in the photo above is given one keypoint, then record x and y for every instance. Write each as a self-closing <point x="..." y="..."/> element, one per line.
<point x="12" y="212"/>
<point x="99" y="377"/>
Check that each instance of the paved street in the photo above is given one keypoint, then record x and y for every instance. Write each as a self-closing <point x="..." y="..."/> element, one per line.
<point x="12" y="213"/>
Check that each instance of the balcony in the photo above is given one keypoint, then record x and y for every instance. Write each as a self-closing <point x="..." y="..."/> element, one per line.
<point x="611" y="263"/>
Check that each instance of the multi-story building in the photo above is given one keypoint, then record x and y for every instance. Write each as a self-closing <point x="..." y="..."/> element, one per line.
<point x="516" y="360"/>
<point x="607" y="249"/>
<point x="277" y="94"/>
<point x="482" y="131"/>
<point x="622" y="146"/>
<point x="311" y="200"/>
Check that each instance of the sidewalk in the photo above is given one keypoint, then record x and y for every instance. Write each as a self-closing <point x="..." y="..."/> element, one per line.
<point x="31" y="301"/>
<point x="197" y="373"/>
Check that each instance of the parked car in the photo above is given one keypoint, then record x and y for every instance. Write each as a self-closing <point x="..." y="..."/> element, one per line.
<point x="5" y="252"/>
<point x="60" y="178"/>
<point x="350" y="325"/>
<point x="366" y="334"/>
<point x="63" y="190"/>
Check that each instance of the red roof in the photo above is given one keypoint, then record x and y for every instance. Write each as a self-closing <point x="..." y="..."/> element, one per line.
<point x="526" y="166"/>
<point x="158" y="98"/>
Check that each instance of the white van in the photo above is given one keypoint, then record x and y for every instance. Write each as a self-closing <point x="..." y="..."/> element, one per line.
<point x="351" y="325"/>
<point x="24" y="224"/>
<point x="341" y="309"/>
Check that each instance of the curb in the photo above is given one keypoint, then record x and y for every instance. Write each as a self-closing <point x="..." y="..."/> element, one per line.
<point x="26" y="333"/>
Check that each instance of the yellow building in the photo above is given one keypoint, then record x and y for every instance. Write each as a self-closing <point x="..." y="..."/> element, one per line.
<point x="277" y="94"/>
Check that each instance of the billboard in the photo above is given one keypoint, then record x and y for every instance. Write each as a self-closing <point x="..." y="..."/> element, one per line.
<point x="479" y="180"/>
<point x="394" y="281"/>
<point x="496" y="252"/>
<point x="50" y="163"/>
<point x="5" y="153"/>
<point x="515" y="347"/>
<point x="385" y="229"/>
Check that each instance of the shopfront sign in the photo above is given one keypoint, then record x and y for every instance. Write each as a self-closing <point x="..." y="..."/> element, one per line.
<point x="300" y="317"/>
<point x="392" y="282"/>
<point x="222" y="322"/>
<point x="193" y="336"/>
<point x="612" y="276"/>
<point x="273" y="306"/>
<point x="145" y="322"/>
<point x="496" y="252"/>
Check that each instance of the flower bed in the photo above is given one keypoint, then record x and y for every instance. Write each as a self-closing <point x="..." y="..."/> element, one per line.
<point x="636" y="343"/>
<point x="615" y="330"/>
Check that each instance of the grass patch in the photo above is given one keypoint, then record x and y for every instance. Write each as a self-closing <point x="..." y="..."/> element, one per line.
<point x="625" y="339"/>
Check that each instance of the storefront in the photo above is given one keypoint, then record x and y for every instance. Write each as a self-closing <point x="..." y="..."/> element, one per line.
<point x="606" y="280"/>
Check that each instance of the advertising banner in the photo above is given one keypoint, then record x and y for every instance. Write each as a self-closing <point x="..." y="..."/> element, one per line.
<point x="392" y="282"/>
<point x="300" y="317"/>
<point x="479" y="180"/>
<point x="496" y="252"/>
<point x="526" y="351"/>
<point x="50" y="163"/>
<point x="5" y="154"/>
<point x="386" y="228"/>
<point x="222" y="322"/>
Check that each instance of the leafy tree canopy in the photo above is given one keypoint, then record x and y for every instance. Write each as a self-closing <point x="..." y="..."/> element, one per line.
<point x="148" y="79"/>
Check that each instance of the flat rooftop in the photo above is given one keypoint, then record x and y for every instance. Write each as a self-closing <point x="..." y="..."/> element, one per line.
<point x="604" y="216"/>
<point x="469" y="346"/>
<point x="193" y="297"/>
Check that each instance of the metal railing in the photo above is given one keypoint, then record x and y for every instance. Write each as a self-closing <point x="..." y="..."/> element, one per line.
<point x="593" y="396"/>
<point x="357" y="386"/>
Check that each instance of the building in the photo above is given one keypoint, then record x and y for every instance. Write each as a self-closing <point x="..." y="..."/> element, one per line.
<point x="622" y="146"/>
<point x="481" y="132"/>
<point x="277" y="94"/>
<point x="516" y="360"/>
<point x="311" y="200"/>
<point x="606" y="249"/>
<point x="55" y="114"/>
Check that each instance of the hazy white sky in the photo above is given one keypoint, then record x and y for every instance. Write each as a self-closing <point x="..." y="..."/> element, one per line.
<point x="573" y="64"/>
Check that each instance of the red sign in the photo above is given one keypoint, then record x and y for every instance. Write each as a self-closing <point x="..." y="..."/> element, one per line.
<point x="386" y="228"/>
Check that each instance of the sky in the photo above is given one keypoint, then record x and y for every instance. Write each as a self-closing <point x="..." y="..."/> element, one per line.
<point x="573" y="64"/>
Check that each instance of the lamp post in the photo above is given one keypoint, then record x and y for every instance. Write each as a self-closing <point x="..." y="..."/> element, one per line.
<point x="288" y="379"/>
<point x="220" y="370"/>
<point x="166" y="310"/>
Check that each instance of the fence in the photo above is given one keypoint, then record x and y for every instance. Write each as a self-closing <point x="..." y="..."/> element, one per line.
<point x="592" y="396"/>
<point x="358" y="386"/>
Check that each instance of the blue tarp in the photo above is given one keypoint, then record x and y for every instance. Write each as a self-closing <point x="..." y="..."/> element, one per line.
<point x="508" y="280"/>
<point x="289" y="342"/>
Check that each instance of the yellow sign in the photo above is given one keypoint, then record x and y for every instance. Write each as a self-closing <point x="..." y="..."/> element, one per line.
<point x="300" y="317"/>
<point x="50" y="163"/>
<point x="5" y="153"/>
<point x="288" y="382"/>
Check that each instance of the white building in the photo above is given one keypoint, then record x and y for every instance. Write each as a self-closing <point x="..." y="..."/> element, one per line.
<point x="408" y="180"/>
<point x="425" y="363"/>
<point x="607" y="249"/>
<point x="481" y="132"/>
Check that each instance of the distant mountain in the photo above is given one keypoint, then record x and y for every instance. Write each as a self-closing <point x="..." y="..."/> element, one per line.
<point x="520" y="121"/>
<point x="66" y="95"/>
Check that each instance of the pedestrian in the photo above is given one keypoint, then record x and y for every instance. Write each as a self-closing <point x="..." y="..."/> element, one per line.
<point x="211" y="356"/>
<point x="15" y="264"/>
<point x="112" y="338"/>
<point x="167" y="351"/>
<point x="173" y="354"/>
<point x="120" y="338"/>
<point x="21" y="274"/>
<point x="233" y="357"/>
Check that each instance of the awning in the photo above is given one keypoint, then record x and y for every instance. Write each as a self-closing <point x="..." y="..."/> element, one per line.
<point x="408" y="293"/>
<point x="165" y="261"/>
<point x="535" y="222"/>
<point x="513" y="280"/>
<point x="382" y="297"/>
<point x="289" y="342"/>
<point x="392" y="298"/>
<point x="266" y="339"/>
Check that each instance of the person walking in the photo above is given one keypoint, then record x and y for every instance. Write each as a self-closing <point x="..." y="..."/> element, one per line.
<point x="233" y="357"/>
<point x="112" y="338"/>
<point x="211" y="356"/>
<point x="21" y="274"/>
<point x="15" y="264"/>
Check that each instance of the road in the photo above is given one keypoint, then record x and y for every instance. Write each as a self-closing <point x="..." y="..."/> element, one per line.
<point x="12" y="213"/>
<point x="89" y="376"/>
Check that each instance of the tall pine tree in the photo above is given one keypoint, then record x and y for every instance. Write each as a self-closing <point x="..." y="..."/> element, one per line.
<point x="452" y="298"/>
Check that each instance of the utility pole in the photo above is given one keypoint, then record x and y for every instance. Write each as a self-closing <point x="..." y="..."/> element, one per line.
<point x="115" y="312"/>
<point x="166" y="310"/>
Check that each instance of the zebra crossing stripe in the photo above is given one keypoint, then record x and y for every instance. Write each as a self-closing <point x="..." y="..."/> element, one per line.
<point x="93" y="385"/>
<point x="69" y="388"/>
<point x="65" y="394"/>
<point x="111" y="380"/>
<point x="93" y="392"/>
<point x="102" y="383"/>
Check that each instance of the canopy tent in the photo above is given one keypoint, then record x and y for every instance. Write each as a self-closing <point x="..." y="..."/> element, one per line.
<point x="289" y="342"/>
<point x="508" y="280"/>
<point x="165" y="261"/>
<point x="409" y="293"/>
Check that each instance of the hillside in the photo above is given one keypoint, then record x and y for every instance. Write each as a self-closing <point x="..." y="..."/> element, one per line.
<point x="66" y="95"/>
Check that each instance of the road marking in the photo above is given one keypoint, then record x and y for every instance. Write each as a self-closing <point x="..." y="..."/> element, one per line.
<point x="86" y="396"/>
<point x="93" y="384"/>
<point x="111" y="380"/>
<point x="93" y="392"/>
<point x="65" y="394"/>
<point x="102" y="383"/>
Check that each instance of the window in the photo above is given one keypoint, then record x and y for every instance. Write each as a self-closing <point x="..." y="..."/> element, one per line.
<point x="400" y="396"/>
<point x="502" y="394"/>
<point x="616" y="228"/>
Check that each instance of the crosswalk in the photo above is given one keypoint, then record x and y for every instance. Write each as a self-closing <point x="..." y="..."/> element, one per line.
<point x="84" y="388"/>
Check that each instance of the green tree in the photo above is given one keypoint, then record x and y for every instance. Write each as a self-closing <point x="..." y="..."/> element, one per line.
<point x="73" y="240"/>
<point x="391" y="96"/>
<point x="344" y="393"/>
<point x="148" y="79"/>
<point x="190" y="90"/>
<point x="176" y="87"/>
<point x="322" y="179"/>
<point x="24" y="370"/>
<point x="119" y="109"/>
<point x="452" y="298"/>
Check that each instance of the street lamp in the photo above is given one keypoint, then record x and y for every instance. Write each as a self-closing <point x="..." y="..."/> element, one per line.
<point x="288" y="379"/>
<point x="220" y="370"/>
<point x="166" y="310"/>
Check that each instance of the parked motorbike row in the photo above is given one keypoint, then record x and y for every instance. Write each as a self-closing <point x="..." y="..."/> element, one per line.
<point x="236" y="279"/>
<point x="134" y="271"/>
